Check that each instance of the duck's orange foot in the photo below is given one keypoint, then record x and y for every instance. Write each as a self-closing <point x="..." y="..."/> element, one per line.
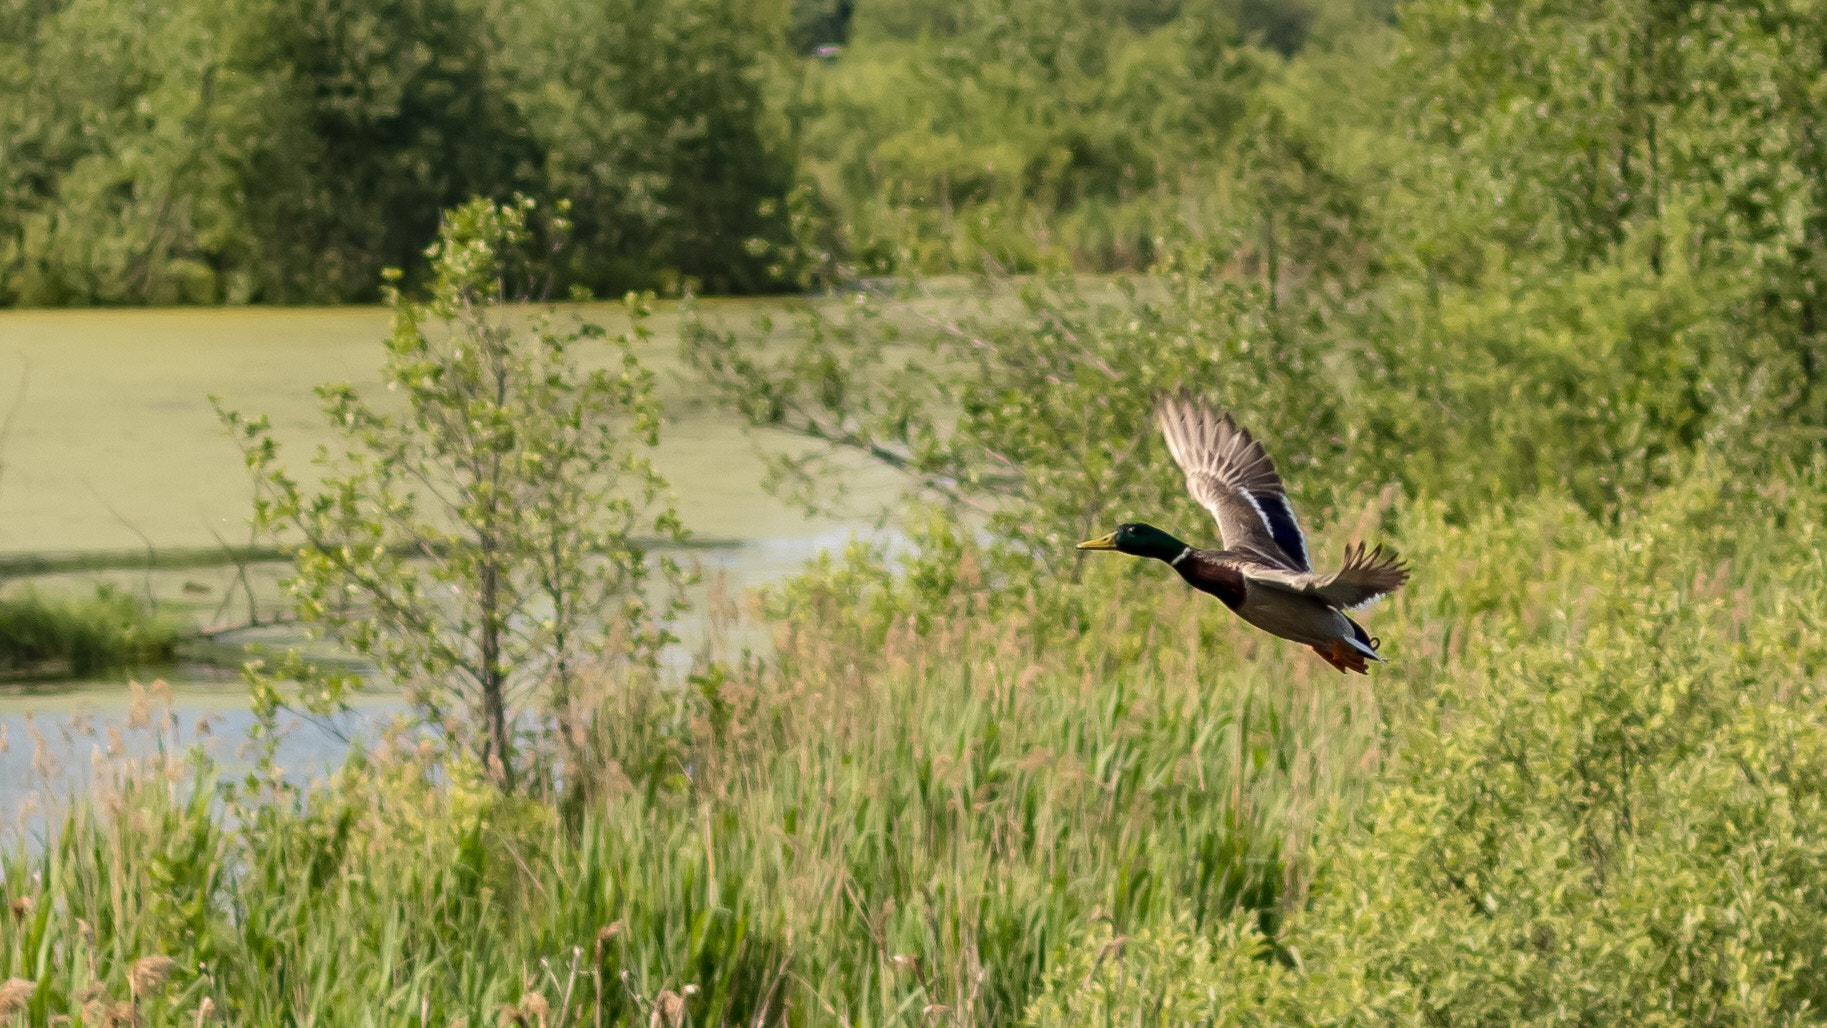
<point x="1343" y="657"/>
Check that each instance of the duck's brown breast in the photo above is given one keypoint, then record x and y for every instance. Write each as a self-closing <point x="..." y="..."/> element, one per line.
<point x="1208" y="572"/>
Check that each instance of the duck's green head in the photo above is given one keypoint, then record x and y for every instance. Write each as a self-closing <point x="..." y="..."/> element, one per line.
<point x="1138" y="540"/>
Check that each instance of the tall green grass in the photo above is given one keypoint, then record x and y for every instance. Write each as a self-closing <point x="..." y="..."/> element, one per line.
<point x="882" y="823"/>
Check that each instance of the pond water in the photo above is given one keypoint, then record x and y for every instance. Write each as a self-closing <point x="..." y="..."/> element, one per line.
<point x="113" y="447"/>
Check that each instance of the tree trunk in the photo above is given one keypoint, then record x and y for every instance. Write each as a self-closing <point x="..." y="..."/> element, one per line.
<point x="494" y="691"/>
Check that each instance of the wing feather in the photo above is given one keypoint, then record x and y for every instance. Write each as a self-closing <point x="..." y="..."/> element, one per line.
<point x="1232" y="476"/>
<point x="1366" y="575"/>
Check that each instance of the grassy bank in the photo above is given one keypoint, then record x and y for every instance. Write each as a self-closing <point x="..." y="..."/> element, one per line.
<point x="1583" y="785"/>
<point x="48" y="637"/>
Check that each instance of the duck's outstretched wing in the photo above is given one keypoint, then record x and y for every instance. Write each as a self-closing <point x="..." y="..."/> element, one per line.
<point x="1367" y="575"/>
<point x="1231" y="475"/>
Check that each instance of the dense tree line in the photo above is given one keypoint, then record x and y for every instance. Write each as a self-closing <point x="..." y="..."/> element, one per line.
<point x="288" y="150"/>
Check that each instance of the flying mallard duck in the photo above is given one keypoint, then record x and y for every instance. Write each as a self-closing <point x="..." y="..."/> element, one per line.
<point x="1262" y="573"/>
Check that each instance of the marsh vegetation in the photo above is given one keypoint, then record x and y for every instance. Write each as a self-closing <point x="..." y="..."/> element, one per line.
<point x="1533" y="294"/>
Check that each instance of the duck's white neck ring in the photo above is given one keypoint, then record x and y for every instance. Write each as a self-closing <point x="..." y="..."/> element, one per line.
<point x="1183" y="555"/>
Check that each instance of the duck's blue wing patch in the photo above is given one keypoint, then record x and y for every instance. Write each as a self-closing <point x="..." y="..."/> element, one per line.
<point x="1279" y="515"/>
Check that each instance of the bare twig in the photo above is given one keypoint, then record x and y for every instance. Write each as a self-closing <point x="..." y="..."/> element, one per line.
<point x="241" y="579"/>
<point x="152" y="553"/>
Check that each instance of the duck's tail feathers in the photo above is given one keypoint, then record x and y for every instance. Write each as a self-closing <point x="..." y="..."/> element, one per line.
<point x="1363" y="642"/>
<point x="1364" y="648"/>
<point x="1353" y="652"/>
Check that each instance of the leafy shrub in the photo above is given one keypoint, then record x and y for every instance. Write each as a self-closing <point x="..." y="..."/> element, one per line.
<point x="483" y="546"/>
<point x="1036" y="413"/>
<point x="1180" y="974"/>
<point x="1605" y="806"/>
<point x="659" y="121"/>
<point x="1032" y="414"/>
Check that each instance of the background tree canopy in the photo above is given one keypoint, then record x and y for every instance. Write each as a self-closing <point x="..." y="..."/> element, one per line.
<point x="262" y="151"/>
<point x="287" y="152"/>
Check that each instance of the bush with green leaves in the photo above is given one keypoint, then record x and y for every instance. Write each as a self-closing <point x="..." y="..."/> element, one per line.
<point x="1030" y="412"/>
<point x="368" y="121"/>
<point x="104" y="195"/>
<point x="660" y="122"/>
<point x="1422" y="252"/>
<point x="1603" y="803"/>
<point x="483" y="539"/>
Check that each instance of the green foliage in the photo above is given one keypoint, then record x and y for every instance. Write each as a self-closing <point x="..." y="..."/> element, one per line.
<point x="1544" y="282"/>
<point x="1382" y="301"/>
<point x="258" y="151"/>
<point x="262" y="151"/>
<point x="1282" y="22"/>
<point x="1678" y="140"/>
<point x="79" y="937"/>
<point x="104" y="198"/>
<point x="1026" y="136"/>
<point x="375" y="118"/>
<point x="1035" y="415"/>
<point x="1604" y="806"/>
<point x="481" y="541"/>
<point x="1173" y="975"/>
<point x="1587" y="786"/>
<point x="109" y="631"/>
<point x="1596" y="382"/>
<point x="879" y="821"/>
<point x="1032" y="415"/>
<point x="819" y="23"/>
<point x="654" y="119"/>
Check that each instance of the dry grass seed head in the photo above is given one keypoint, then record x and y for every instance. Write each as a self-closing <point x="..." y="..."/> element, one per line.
<point x="534" y="1009"/>
<point x="148" y="973"/>
<point x="15" y="994"/>
<point x="95" y="1005"/>
<point x="606" y="935"/>
<point x="668" y="1010"/>
<point x="139" y="707"/>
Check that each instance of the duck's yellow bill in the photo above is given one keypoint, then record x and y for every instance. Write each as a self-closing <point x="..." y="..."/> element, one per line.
<point x="1102" y="542"/>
